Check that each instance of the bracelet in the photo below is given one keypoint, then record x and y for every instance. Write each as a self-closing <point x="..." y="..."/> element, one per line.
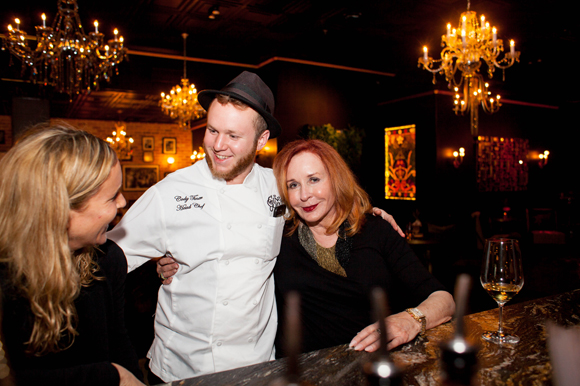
<point x="419" y="317"/>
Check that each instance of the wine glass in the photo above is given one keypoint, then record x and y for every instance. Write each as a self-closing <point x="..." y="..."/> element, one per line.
<point x="502" y="277"/>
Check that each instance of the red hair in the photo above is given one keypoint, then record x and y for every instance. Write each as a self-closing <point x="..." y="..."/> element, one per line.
<point x="352" y="202"/>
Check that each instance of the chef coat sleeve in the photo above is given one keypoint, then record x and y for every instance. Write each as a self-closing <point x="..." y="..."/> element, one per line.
<point x="141" y="233"/>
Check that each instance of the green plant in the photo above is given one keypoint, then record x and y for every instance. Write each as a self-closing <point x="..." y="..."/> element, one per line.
<point x="347" y="142"/>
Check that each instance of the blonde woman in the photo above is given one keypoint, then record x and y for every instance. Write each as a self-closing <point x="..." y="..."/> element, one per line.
<point x="62" y="296"/>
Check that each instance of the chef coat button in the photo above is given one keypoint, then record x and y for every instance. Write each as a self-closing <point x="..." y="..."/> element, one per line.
<point x="222" y="190"/>
<point x="229" y="226"/>
<point x="255" y="302"/>
<point x="250" y="340"/>
<point x="219" y="343"/>
<point x="227" y="262"/>
<point x="257" y="261"/>
<point x="225" y="303"/>
<point x="259" y="226"/>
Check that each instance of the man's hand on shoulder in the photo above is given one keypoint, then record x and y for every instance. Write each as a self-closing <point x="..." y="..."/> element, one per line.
<point x="390" y="219"/>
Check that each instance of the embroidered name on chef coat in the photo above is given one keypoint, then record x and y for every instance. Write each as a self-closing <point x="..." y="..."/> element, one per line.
<point x="189" y="202"/>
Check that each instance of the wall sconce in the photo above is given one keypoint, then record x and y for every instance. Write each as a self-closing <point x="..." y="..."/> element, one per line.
<point x="543" y="158"/>
<point x="170" y="160"/>
<point x="197" y="155"/>
<point x="458" y="155"/>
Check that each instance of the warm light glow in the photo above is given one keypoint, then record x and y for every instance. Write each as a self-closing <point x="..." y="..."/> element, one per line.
<point x="197" y="155"/>
<point x="181" y="103"/>
<point x="170" y="160"/>
<point x="476" y="43"/>
<point x="120" y="142"/>
<point x="65" y="57"/>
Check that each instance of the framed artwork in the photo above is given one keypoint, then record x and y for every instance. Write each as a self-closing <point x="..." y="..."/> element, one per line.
<point x="139" y="177"/>
<point x="400" y="168"/>
<point x="169" y="145"/>
<point x="502" y="164"/>
<point x="148" y="143"/>
<point x="2" y="137"/>
<point x="147" y="156"/>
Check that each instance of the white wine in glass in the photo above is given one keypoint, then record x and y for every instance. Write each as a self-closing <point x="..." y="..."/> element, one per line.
<point x="502" y="277"/>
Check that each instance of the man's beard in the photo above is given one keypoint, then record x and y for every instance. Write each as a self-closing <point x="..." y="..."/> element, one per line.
<point x="239" y="167"/>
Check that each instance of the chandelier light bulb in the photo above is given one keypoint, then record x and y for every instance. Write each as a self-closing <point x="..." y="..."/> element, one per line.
<point x="96" y="24"/>
<point x="43" y="17"/>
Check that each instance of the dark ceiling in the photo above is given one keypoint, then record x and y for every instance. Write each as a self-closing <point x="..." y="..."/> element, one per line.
<point x="382" y="36"/>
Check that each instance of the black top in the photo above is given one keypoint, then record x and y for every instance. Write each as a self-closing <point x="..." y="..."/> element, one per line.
<point x="336" y="308"/>
<point x="102" y="335"/>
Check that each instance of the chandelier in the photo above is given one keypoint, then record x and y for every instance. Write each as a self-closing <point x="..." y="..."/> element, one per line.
<point x="64" y="56"/>
<point x="121" y="143"/>
<point x="197" y="155"/>
<point x="465" y="48"/>
<point x="181" y="103"/>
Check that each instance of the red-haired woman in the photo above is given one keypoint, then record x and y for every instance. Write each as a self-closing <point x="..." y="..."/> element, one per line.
<point x="335" y="251"/>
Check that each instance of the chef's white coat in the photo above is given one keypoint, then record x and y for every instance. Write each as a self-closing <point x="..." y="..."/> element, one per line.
<point x="219" y="312"/>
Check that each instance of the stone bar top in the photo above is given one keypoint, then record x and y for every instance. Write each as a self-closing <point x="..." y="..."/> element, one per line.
<point x="526" y="363"/>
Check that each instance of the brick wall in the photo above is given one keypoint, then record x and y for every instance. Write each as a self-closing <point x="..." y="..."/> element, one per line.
<point x="104" y="129"/>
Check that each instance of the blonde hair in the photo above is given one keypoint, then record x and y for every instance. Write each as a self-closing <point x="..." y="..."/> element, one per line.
<point x="352" y="202"/>
<point x="49" y="172"/>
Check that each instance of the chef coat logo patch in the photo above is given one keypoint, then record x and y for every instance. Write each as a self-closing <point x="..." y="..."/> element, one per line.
<point x="188" y="202"/>
<point x="275" y="204"/>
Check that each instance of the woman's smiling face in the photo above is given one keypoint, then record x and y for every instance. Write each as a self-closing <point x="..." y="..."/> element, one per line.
<point x="310" y="190"/>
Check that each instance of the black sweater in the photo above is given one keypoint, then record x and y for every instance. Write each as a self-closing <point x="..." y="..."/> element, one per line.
<point x="102" y="335"/>
<point x="336" y="308"/>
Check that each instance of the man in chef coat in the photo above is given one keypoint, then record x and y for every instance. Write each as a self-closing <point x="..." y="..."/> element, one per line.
<point x="221" y="220"/>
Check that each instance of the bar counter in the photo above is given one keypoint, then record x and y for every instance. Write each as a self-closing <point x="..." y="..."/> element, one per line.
<point x="526" y="363"/>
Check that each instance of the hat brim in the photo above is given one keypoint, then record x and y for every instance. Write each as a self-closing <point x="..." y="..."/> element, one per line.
<point x="205" y="98"/>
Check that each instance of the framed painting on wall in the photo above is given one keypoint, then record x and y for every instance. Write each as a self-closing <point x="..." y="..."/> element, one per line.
<point x="148" y="143"/>
<point x="139" y="177"/>
<point x="170" y="145"/>
<point x="400" y="172"/>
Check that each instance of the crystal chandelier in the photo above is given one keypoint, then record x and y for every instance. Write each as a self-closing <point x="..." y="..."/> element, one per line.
<point x="64" y="56"/>
<point x="181" y="103"/>
<point x="121" y="143"/>
<point x="465" y="48"/>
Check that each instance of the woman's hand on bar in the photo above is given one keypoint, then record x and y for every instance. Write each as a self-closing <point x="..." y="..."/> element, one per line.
<point x="401" y="328"/>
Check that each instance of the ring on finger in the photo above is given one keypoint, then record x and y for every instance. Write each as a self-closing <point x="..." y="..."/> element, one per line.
<point x="378" y="330"/>
<point x="163" y="278"/>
